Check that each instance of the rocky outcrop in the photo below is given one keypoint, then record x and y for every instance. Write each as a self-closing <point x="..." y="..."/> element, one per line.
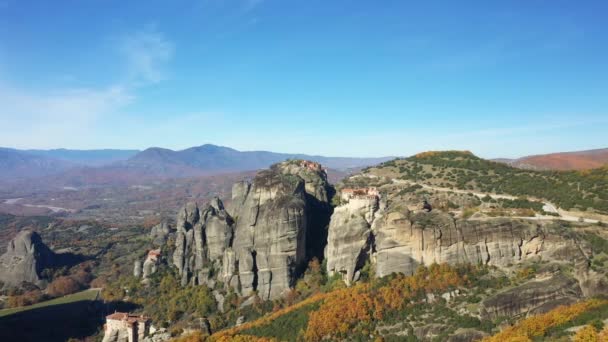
<point x="261" y="245"/>
<point x="350" y="239"/>
<point x="25" y="258"/>
<point x="270" y="234"/>
<point x="397" y="240"/>
<point x="202" y="237"/>
<point x="159" y="233"/>
<point x="149" y="266"/>
<point x="533" y="297"/>
<point x="137" y="268"/>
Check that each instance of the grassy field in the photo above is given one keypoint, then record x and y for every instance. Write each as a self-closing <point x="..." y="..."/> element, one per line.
<point x="89" y="294"/>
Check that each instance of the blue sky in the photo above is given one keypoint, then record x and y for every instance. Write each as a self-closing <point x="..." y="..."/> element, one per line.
<point x="348" y="78"/>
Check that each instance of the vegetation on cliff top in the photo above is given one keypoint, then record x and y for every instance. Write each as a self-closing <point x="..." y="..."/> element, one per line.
<point x="581" y="190"/>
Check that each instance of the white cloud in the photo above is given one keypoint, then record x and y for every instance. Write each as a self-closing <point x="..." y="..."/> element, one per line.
<point x="57" y="118"/>
<point x="71" y="116"/>
<point x="146" y="52"/>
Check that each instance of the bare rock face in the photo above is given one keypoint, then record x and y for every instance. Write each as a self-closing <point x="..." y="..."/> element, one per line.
<point x="350" y="239"/>
<point x="159" y="233"/>
<point x="25" y="258"/>
<point x="270" y="234"/>
<point x="534" y="297"/>
<point x="137" y="268"/>
<point x="397" y="240"/>
<point x="262" y="244"/>
<point x="202" y="236"/>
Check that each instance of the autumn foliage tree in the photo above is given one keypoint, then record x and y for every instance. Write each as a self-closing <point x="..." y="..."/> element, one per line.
<point x="586" y="334"/>
<point x="537" y="326"/>
<point x="357" y="306"/>
<point x="63" y="286"/>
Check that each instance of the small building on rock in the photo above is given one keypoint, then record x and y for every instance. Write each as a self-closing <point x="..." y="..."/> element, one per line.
<point x="123" y="327"/>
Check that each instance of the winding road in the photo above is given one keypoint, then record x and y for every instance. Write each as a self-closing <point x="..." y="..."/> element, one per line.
<point x="547" y="206"/>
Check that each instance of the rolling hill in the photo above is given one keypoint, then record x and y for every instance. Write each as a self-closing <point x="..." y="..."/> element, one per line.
<point x="578" y="160"/>
<point x="15" y="164"/>
<point x="581" y="190"/>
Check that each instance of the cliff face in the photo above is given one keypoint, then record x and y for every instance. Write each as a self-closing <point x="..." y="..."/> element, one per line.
<point x="25" y="258"/>
<point x="261" y="245"/>
<point x="397" y="240"/>
<point x="201" y="238"/>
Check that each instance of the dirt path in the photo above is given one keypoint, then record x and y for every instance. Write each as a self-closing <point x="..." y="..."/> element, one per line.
<point x="547" y="206"/>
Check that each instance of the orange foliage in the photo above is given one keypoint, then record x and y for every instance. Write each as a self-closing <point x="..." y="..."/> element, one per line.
<point x="538" y="325"/>
<point x="346" y="308"/>
<point x="63" y="286"/>
<point x="28" y="298"/>
<point x="603" y="336"/>
<point x="339" y="312"/>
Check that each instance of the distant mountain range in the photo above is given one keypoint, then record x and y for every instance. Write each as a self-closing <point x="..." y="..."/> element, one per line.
<point x="20" y="164"/>
<point x="85" y="157"/>
<point x="578" y="160"/>
<point x="81" y="167"/>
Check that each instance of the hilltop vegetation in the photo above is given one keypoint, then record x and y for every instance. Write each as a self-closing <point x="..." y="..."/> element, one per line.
<point x="581" y="190"/>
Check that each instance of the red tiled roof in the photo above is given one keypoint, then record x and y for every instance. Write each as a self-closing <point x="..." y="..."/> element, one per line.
<point x="123" y="316"/>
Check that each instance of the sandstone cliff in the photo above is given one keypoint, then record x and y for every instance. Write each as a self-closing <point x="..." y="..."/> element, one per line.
<point x="25" y="258"/>
<point x="264" y="241"/>
<point x="397" y="240"/>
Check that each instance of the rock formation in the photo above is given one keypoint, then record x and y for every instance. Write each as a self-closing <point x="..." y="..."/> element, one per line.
<point x="261" y="245"/>
<point x="25" y="258"/>
<point x="159" y="233"/>
<point x="534" y="297"/>
<point x="149" y="265"/>
<point x="397" y="240"/>
<point x="202" y="237"/>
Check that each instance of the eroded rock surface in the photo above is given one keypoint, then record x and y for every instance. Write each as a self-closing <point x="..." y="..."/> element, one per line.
<point x="261" y="245"/>
<point x="159" y="233"/>
<point x="202" y="236"/>
<point x="533" y="297"/>
<point x="397" y="240"/>
<point x="25" y="258"/>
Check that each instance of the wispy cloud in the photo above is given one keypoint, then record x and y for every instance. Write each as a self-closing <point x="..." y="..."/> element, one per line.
<point x="33" y="119"/>
<point x="70" y="116"/>
<point x="146" y="51"/>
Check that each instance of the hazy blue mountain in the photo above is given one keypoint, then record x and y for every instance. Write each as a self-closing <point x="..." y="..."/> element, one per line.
<point x="86" y="167"/>
<point x="15" y="164"/>
<point x="211" y="158"/>
<point x="86" y="157"/>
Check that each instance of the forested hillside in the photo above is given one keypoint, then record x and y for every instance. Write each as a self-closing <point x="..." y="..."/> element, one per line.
<point x="582" y="190"/>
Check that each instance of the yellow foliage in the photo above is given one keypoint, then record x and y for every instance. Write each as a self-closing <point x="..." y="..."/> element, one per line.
<point x="603" y="335"/>
<point x="586" y="334"/>
<point x="538" y="325"/>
